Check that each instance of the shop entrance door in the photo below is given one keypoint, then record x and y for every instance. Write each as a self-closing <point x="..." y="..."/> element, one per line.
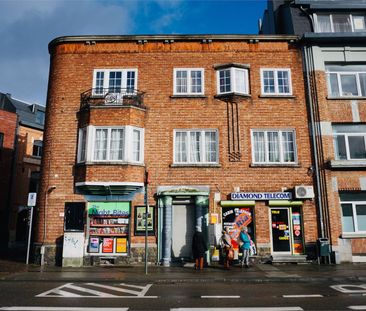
<point x="281" y="231"/>
<point x="182" y="231"/>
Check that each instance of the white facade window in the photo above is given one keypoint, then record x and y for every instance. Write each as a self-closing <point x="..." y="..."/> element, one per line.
<point x="349" y="142"/>
<point x="195" y="146"/>
<point x="273" y="146"/>
<point x="353" y="217"/>
<point x="114" y="81"/>
<point x="276" y="81"/>
<point x="346" y="80"/>
<point x="339" y="22"/>
<point x="111" y="144"/>
<point x="232" y="80"/>
<point x="188" y="81"/>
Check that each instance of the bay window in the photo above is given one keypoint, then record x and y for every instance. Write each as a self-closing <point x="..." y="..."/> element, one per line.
<point x="273" y="146"/>
<point x="232" y="80"/>
<point x="346" y="80"/>
<point x="349" y="142"/>
<point x="188" y="81"/>
<point x="110" y="144"/>
<point x="340" y="22"/>
<point x="195" y="146"/>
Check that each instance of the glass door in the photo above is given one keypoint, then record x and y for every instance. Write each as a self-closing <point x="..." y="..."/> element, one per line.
<point x="281" y="232"/>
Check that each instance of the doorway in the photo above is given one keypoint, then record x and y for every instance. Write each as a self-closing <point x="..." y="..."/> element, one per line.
<point x="281" y="230"/>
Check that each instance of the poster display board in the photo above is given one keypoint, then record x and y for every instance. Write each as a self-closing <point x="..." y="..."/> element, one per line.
<point x="140" y="220"/>
<point x="235" y="218"/>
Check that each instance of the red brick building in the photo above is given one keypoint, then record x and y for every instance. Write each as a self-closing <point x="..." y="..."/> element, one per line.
<point x="219" y="123"/>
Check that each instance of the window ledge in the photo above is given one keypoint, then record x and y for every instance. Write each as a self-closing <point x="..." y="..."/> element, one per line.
<point x="219" y="96"/>
<point x="346" y="97"/>
<point x="109" y="163"/>
<point x="347" y="164"/>
<point x="188" y="96"/>
<point x="275" y="165"/>
<point x="213" y="165"/>
<point x="276" y="96"/>
<point x="349" y="235"/>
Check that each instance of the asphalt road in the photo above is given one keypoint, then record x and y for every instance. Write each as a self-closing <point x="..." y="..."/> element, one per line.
<point x="210" y="296"/>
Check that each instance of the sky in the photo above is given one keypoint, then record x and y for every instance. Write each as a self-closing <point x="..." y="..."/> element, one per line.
<point x="27" y="26"/>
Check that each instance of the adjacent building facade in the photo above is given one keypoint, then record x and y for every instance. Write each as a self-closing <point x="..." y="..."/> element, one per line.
<point x="209" y="131"/>
<point x="333" y="37"/>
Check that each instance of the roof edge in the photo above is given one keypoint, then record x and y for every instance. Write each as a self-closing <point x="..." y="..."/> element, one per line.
<point x="112" y="38"/>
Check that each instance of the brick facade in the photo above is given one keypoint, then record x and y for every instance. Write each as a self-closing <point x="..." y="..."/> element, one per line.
<point x="71" y="73"/>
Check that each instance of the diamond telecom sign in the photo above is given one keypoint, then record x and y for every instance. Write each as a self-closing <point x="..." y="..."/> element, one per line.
<point x="261" y="196"/>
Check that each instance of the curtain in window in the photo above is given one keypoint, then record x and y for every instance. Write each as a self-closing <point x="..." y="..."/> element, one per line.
<point x="195" y="147"/>
<point x="210" y="147"/>
<point x="240" y="85"/>
<point x="283" y="82"/>
<point x="259" y="147"/>
<point x="196" y="81"/>
<point x="324" y="23"/>
<point x="116" y="149"/>
<point x="333" y="84"/>
<point x="100" y="149"/>
<point x="181" y="81"/>
<point x="99" y="82"/>
<point x="288" y="147"/>
<point x="273" y="147"/>
<point x="268" y="82"/>
<point x="130" y="85"/>
<point x="136" y="145"/>
<point x="181" y="147"/>
<point x="342" y="23"/>
<point x="225" y="81"/>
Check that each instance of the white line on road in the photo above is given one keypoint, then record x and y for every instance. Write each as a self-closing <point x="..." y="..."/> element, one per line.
<point x="357" y="307"/>
<point x="60" y="309"/>
<point x="303" y="296"/>
<point x="220" y="297"/>
<point x="241" y="309"/>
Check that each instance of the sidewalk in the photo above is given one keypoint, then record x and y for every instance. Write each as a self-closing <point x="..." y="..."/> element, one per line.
<point x="260" y="273"/>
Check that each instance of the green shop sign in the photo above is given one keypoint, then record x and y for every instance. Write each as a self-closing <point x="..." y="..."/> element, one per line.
<point x="109" y="208"/>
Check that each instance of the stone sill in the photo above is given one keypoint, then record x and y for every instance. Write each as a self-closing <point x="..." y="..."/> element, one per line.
<point x="191" y="165"/>
<point x="295" y="165"/>
<point x="341" y="164"/>
<point x="122" y="163"/>
<point x="277" y="96"/>
<point x="188" y="96"/>
<point x="351" y="235"/>
<point x="346" y="98"/>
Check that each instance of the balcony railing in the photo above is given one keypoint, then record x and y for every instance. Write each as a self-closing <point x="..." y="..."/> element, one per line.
<point x="112" y="97"/>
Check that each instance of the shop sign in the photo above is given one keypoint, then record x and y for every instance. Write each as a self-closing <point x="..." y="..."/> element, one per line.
<point x="261" y="196"/>
<point x="109" y="209"/>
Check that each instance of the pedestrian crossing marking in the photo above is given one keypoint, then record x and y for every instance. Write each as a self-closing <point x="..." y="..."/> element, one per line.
<point x="94" y="290"/>
<point x="241" y="309"/>
<point x="61" y="309"/>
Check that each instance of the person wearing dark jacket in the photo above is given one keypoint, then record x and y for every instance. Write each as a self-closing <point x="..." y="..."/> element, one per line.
<point x="198" y="248"/>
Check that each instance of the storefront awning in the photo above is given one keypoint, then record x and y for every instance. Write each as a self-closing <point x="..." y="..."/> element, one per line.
<point x="236" y="203"/>
<point x="284" y="203"/>
<point x="108" y="188"/>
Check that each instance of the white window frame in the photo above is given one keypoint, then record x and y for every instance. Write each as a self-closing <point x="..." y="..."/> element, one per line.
<point x="189" y="81"/>
<point x="106" y="72"/>
<point x="202" y="147"/>
<point x="128" y="152"/>
<point x="275" y="71"/>
<point x="354" y="213"/>
<point x="233" y="86"/>
<point x="281" y="151"/>
<point x="351" y="15"/>
<point x="340" y="88"/>
<point x="348" y="154"/>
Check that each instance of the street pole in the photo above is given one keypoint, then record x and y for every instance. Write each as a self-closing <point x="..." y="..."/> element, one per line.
<point x="146" y="214"/>
<point x="29" y="233"/>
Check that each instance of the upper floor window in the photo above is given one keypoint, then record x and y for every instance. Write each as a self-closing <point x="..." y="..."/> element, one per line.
<point x="110" y="144"/>
<point x="188" y="81"/>
<point x="114" y="81"/>
<point x="349" y="142"/>
<point x="232" y="80"/>
<point x="40" y="117"/>
<point x="37" y="148"/>
<point x="340" y="22"/>
<point x="354" y="217"/>
<point x="346" y="80"/>
<point x="273" y="146"/>
<point x="195" y="146"/>
<point x="276" y="81"/>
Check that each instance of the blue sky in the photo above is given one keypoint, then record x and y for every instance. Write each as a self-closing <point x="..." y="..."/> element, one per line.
<point x="27" y="26"/>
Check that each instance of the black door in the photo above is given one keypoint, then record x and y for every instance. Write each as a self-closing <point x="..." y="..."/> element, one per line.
<point x="281" y="240"/>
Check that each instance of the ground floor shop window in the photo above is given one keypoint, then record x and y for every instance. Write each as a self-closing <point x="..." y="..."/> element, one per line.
<point x="235" y="218"/>
<point x="108" y="229"/>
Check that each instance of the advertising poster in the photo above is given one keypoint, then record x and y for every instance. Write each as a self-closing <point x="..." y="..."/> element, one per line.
<point x="94" y="245"/>
<point x="107" y="245"/>
<point x="297" y="233"/>
<point x="121" y="245"/>
<point x="236" y="218"/>
<point x="140" y="220"/>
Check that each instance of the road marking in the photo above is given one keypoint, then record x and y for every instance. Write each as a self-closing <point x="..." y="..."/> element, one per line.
<point x="348" y="288"/>
<point x="220" y="297"/>
<point x="241" y="309"/>
<point x="63" y="291"/>
<point x="303" y="296"/>
<point x="357" y="307"/>
<point x="60" y="309"/>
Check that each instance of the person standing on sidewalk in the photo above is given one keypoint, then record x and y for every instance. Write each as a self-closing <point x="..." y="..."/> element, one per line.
<point x="245" y="246"/>
<point x="199" y="248"/>
<point x="226" y="247"/>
